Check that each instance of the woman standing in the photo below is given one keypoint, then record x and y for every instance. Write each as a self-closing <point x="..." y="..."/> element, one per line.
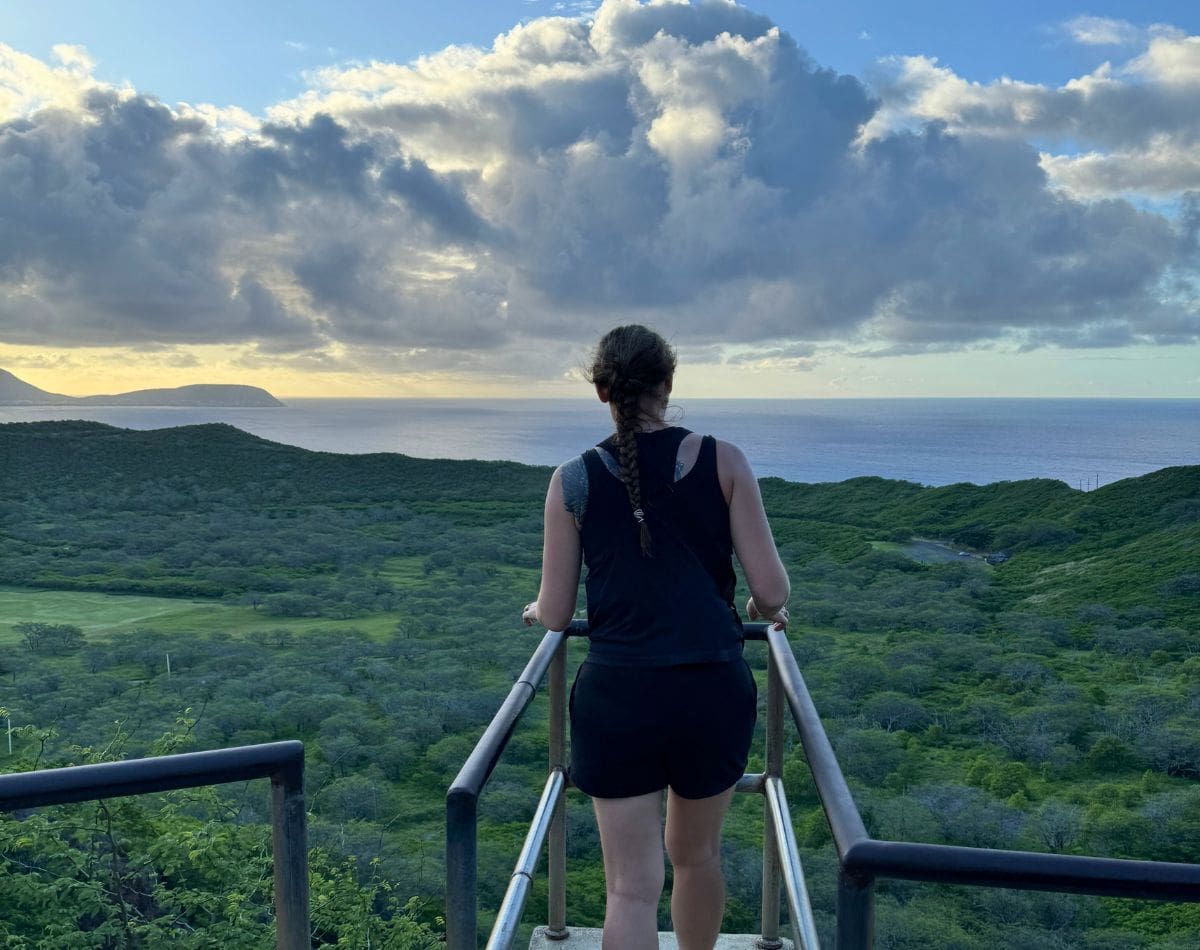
<point x="664" y="699"/>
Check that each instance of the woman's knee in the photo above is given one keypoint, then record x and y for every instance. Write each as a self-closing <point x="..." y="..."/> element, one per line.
<point x="693" y="832"/>
<point x="686" y="849"/>
<point x="640" y="885"/>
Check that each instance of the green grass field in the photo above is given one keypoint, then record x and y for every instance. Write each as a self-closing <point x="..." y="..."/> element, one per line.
<point x="100" y="615"/>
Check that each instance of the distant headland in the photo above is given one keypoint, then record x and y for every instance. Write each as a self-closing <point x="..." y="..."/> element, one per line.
<point x="17" y="392"/>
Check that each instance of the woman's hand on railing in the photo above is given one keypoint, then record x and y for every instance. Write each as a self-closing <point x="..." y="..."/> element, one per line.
<point x="529" y="614"/>
<point x="779" y="617"/>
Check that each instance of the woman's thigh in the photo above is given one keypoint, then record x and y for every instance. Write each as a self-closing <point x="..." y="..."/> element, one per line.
<point x="631" y="839"/>
<point x="694" y="827"/>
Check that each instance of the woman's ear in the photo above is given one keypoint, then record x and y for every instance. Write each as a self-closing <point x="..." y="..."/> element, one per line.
<point x="602" y="392"/>
<point x="667" y="384"/>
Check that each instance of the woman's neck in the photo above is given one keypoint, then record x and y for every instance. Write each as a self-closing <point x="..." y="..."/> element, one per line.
<point x="652" y="415"/>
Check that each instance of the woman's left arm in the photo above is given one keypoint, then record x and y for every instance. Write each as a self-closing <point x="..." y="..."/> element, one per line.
<point x="561" y="554"/>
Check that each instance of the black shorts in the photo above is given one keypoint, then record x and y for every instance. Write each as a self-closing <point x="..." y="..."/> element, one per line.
<point x="636" y="730"/>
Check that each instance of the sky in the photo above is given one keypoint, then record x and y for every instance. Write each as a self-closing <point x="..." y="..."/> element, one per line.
<point x="860" y="198"/>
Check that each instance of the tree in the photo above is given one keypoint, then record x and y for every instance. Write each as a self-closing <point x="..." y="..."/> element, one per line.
<point x="96" y="658"/>
<point x="868" y="754"/>
<point x="970" y="817"/>
<point x="1058" y="825"/>
<point x="1182" y="585"/>
<point x="862" y="677"/>
<point x="32" y="633"/>
<point x="54" y="638"/>
<point x="65" y="638"/>
<point x="891" y="711"/>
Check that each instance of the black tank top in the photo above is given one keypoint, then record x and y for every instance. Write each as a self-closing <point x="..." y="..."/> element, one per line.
<point x="675" y="606"/>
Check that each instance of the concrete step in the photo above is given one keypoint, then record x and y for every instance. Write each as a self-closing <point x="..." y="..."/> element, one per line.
<point x="588" y="938"/>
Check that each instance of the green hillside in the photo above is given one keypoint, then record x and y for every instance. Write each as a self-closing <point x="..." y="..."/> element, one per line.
<point x="78" y="455"/>
<point x="369" y="606"/>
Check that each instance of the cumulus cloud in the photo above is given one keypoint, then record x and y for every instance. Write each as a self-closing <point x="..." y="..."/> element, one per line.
<point x="686" y="165"/>
<point x="27" y="84"/>
<point x="1130" y="128"/>
<point x="1160" y="171"/>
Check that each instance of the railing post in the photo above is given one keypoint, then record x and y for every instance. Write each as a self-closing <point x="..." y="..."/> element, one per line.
<point x="771" y="870"/>
<point x="557" y="842"/>
<point x="289" y="852"/>
<point x="461" y="857"/>
<point x="855" y="912"/>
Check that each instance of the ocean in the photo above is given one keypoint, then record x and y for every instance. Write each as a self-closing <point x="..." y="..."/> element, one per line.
<point x="1083" y="442"/>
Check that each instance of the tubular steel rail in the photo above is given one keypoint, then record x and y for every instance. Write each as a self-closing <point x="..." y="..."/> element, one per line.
<point x="462" y="804"/>
<point x="281" y="762"/>
<point x="862" y="860"/>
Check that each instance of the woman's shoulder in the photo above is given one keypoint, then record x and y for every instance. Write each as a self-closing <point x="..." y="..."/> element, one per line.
<point x="573" y="468"/>
<point x="732" y="466"/>
<point x="573" y="475"/>
<point x="729" y="455"/>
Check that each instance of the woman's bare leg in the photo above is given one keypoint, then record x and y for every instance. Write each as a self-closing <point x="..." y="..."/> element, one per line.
<point x="632" y="842"/>
<point x="694" y="846"/>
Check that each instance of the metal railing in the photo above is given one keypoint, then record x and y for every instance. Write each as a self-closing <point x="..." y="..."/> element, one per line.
<point x="462" y="807"/>
<point x="862" y="860"/>
<point x="281" y="762"/>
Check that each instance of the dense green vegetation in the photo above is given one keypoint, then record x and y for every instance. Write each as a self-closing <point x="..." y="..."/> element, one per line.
<point x="368" y="605"/>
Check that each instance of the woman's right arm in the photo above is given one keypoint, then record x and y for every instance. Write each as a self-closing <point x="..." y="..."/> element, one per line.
<point x="752" y="539"/>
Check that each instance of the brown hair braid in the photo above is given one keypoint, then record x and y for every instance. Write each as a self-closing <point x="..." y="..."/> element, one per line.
<point x="631" y="362"/>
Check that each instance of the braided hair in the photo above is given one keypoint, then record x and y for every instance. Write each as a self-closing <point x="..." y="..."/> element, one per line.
<point x="632" y="362"/>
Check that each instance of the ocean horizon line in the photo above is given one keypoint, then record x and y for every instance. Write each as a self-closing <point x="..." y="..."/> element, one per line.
<point x="590" y="399"/>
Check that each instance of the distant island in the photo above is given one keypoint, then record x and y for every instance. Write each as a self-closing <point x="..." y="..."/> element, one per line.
<point x="17" y="392"/>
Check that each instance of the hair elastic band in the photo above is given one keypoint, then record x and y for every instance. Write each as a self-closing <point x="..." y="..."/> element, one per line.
<point x="639" y="516"/>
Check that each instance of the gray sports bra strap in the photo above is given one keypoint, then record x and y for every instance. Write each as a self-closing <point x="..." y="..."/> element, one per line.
<point x="609" y="460"/>
<point x="574" y="477"/>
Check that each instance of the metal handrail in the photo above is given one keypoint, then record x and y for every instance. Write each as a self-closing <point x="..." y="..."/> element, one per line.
<point x="788" y="853"/>
<point x="509" y="917"/>
<point x="281" y="762"/>
<point x="462" y="798"/>
<point x="862" y="859"/>
<point x="845" y="822"/>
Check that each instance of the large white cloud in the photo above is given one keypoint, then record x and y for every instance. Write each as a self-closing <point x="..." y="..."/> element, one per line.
<point x="686" y="165"/>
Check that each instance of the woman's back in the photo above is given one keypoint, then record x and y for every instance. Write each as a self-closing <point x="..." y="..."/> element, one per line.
<point x="672" y="604"/>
